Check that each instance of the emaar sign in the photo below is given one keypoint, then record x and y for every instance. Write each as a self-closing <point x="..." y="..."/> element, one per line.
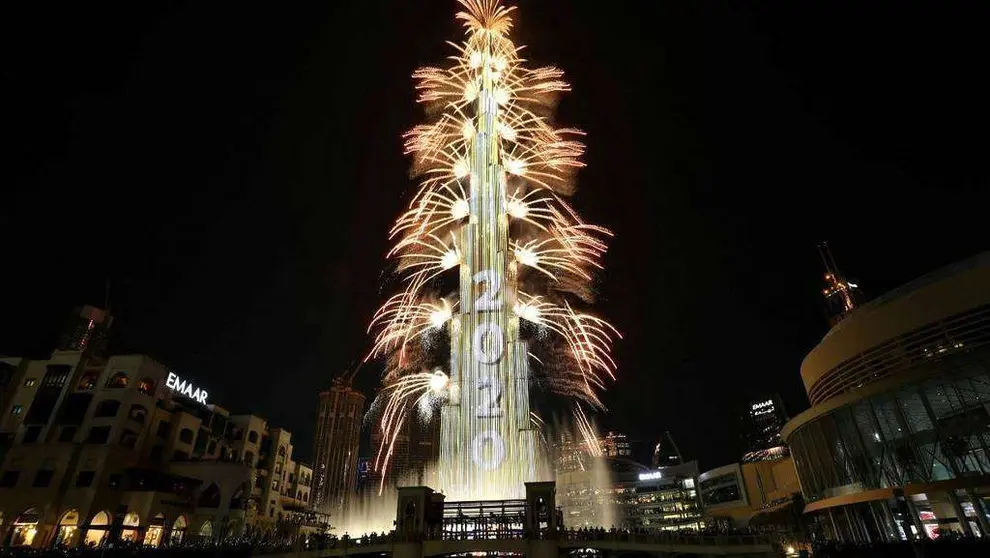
<point x="186" y="388"/>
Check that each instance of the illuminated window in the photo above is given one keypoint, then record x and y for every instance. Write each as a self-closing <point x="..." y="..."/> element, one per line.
<point x="16" y="410"/>
<point x="147" y="386"/>
<point x="118" y="380"/>
<point x="30" y="382"/>
<point x="88" y="381"/>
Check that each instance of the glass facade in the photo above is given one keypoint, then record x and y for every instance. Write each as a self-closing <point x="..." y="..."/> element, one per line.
<point x="932" y="430"/>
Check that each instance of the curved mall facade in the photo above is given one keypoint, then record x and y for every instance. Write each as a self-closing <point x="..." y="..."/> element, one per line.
<point x="897" y="441"/>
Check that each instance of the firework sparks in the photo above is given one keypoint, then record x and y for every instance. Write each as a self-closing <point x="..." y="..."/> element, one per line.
<point x="493" y="171"/>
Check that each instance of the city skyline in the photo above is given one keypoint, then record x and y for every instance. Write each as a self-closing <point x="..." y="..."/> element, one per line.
<point x="215" y="214"/>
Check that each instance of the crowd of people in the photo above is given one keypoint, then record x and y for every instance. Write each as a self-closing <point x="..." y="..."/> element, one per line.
<point x="949" y="545"/>
<point x="230" y="549"/>
<point x="684" y="536"/>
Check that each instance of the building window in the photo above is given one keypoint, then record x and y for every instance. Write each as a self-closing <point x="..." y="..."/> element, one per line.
<point x="56" y="375"/>
<point x="156" y="453"/>
<point x="98" y="435"/>
<point x="107" y="408"/>
<point x="30" y="382"/>
<point x="147" y="386"/>
<point x="138" y="414"/>
<point x="31" y="434"/>
<point x="114" y="481"/>
<point x="16" y="410"/>
<point x="186" y="436"/>
<point x="43" y="478"/>
<point x="118" y="380"/>
<point x="88" y="381"/>
<point x="129" y="439"/>
<point x="67" y="434"/>
<point x="85" y="479"/>
<point x="9" y="479"/>
<point x="163" y="428"/>
<point x="274" y="485"/>
<point x="253" y="437"/>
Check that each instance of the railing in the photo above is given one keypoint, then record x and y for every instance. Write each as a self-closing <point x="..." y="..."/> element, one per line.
<point x="663" y="538"/>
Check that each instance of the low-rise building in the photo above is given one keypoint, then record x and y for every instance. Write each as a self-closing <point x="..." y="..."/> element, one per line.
<point x="618" y="492"/>
<point x="122" y="448"/>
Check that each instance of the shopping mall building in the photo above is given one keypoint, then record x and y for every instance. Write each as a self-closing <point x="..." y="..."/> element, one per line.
<point x="896" y="443"/>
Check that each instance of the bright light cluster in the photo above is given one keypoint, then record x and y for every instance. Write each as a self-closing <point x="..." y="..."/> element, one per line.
<point x="550" y="250"/>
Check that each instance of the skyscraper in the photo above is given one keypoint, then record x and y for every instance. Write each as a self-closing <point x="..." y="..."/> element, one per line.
<point x="490" y="213"/>
<point x="415" y="448"/>
<point x="762" y="422"/>
<point x="335" y="448"/>
<point x="87" y="329"/>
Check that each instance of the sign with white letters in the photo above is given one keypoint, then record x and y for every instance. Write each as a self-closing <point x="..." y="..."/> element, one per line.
<point x="186" y="388"/>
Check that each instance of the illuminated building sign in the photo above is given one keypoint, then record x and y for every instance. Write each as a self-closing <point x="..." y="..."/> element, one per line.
<point x="186" y="388"/>
<point x="652" y="475"/>
<point x="763" y="405"/>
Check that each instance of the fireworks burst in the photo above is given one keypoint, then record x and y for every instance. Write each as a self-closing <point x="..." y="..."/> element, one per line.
<point x="489" y="106"/>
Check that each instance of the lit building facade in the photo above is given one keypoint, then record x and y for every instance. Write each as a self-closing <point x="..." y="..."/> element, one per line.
<point x="338" y="430"/>
<point x="629" y="495"/>
<point x="122" y="449"/>
<point x="897" y="441"/>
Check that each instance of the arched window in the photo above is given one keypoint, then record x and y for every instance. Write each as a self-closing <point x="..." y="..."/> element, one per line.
<point x="25" y="528"/>
<point x="67" y="527"/>
<point x="206" y="529"/>
<point x="305" y="497"/>
<point x="210" y="498"/>
<point x="118" y="380"/>
<point x="147" y="386"/>
<point x="253" y="437"/>
<point x="107" y="408"/>
<point x="281" y="451"/>
<point x="138" y="414"/>
<point x="186" y="436"/>
<point x="96" y="531"/>
<point x="178" y="530"/>
<point x="132" y="523"/>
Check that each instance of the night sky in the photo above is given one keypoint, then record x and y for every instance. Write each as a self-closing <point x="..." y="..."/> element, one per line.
<point x="233" y="172"/>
